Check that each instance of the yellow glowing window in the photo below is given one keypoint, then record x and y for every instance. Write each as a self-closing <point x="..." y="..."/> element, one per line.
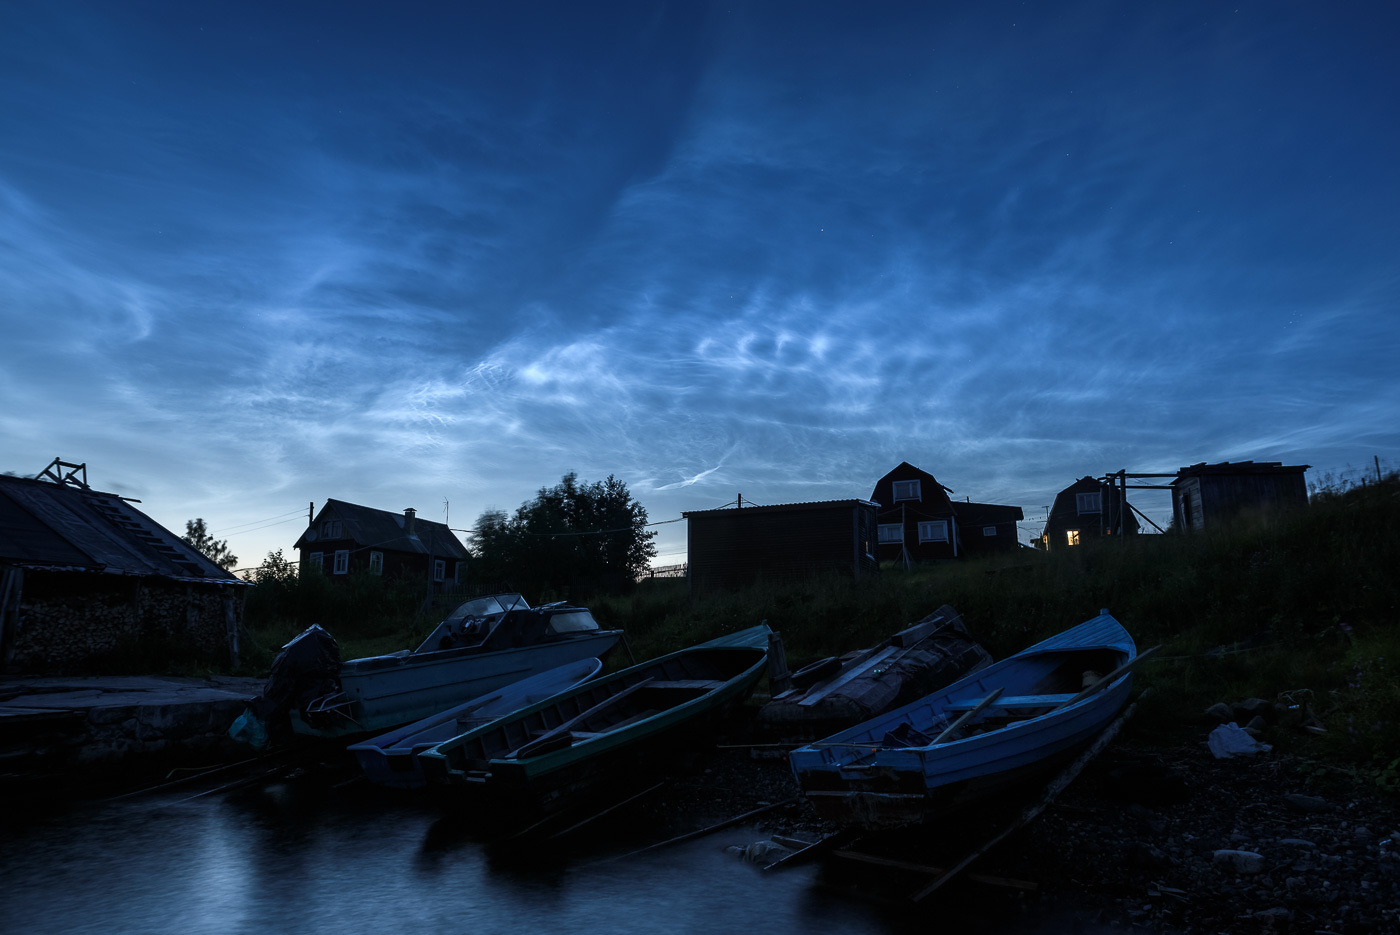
<point x="1072" y="536"/>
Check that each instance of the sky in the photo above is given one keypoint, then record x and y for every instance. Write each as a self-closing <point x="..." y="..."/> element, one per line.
<point x="258" y="255"/>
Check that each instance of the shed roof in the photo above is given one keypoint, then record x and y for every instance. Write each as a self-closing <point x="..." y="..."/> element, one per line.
<point x="383" y="529"/>
<point x="781" y="507"/>
<point x="69" y="527"/>
<point x="986" y="514"/>
<point x="1238" y="468"/>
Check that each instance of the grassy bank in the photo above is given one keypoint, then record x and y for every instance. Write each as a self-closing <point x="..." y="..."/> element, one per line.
<point x="1298" y="602"/>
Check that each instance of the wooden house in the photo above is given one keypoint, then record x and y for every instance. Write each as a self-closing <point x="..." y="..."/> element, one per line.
<point x="1087" y="509"/>
<point x="1205" y="494"/>
<point x="85" y="577"/>
<point x="917" y="520"/>
<point x="345" y="538"/>
<point x="732" y="547"/>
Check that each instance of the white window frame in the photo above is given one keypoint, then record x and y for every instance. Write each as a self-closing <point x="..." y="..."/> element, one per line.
<point x="989" y="530"/>
<point x="933" y="530"/>
<point x="1089" y="502"/>
<point x="376" y="563"/>
<point x="890" y="533"/>
<point x="316" y="560"/>
<point x="913" y="490"/>
<point x="439" y="569"/>
<point x="1072" y="537"/>
<point x="342" y="562"/>
<point x="332" y="529"/>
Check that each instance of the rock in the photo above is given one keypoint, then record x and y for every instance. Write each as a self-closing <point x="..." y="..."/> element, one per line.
<point x="1296" y="842"/>
<point x="1220" y="713"/>
<point x="1238" y="861"/>
<point x="1276" y="914"/>
<point x="1140" y="854"/>
<point x="1306" y="803"/>
<point x="1256" y="725"/>
<point x="1251" y="708"/>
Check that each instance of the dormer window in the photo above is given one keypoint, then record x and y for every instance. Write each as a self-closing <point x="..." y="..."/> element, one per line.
<point x="331" y="529"/>
<point x="906" y="490"/>
<point x="1089" y="502"/>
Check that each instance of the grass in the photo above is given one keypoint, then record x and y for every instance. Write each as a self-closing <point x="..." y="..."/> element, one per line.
<point x="1302" y="601"/>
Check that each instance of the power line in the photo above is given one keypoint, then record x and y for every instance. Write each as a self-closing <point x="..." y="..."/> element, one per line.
<point x="252" y="522"/>
<point x="268" y="526"/>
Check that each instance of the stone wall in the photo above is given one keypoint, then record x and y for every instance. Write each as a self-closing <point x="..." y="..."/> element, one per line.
<point x="70" y="622"/>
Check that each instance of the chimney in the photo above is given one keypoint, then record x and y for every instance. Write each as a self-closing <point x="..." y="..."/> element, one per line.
<point x="409" y="515"/>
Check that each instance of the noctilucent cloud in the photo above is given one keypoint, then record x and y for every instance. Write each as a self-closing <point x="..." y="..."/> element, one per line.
<point x="259" y="254"/>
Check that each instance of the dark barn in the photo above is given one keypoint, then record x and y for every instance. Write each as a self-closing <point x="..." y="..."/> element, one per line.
<point x="1087" y="509"/>
<point x="1204" y="494"/>
<point x="732" y="547"/>
<point x="346" y="538"/>
<point x="919" y="522"/>
<point x="86" y="577"/>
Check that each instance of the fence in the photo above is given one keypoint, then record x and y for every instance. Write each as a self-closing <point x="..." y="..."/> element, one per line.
<point x="665" y="571"/>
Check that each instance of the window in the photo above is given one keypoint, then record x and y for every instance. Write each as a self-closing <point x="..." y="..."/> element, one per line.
<point x="314" y="560"/>
<point x="376" y="563"/>
<point x="1072" y="536"/>
<point x="330" y="529"/>
<point x="342" y="562"/>
<point x="989" y="530"/>
<point x="891" y="532"/>
<point x="1089" y="502"/>
<point x="906" y="490"/>
<point x="439" y="569"/>
<point x="934" y="531"/>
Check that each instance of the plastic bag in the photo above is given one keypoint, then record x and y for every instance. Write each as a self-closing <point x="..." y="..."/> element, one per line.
<point x="1229" y="740"/>
<point x="249" y="728"/>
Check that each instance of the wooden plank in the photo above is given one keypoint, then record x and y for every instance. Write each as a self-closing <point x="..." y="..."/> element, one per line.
<point x="1009" y="882"/>
<point x="737" y="819"/>
<point x="554" y="733"/>
<point x="1015" y="701"/>
<point x="948" y="731"/>
<point x="851" y="671"/>
<point x="688" y="683"/>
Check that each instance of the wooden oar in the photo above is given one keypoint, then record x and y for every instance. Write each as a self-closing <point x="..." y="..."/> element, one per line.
<point x="554" y="733"/>
<point x="968" y="715"/>
<point x="1108" y="679"/>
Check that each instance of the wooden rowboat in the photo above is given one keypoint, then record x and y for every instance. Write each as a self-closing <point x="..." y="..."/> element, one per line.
<point x="540" y="756"/>
<point x="392" y="759"/>
<point x="1009" y="721"/>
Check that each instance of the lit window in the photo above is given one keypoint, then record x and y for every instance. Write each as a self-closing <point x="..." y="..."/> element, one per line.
<point x="342" y="562"/>
<point x="989" y="530"/>
<point x="314" y="560"/>
<point x="439" y="570"/>
<point x="330" y="529"/>
<point x="1089" y="502"/>
<point x="376" y="563"/>
<point x="892" y="532"/>
<point x="934" y="531"/>
<point x="906" y="490"/>
<point x="1072" y="536"/>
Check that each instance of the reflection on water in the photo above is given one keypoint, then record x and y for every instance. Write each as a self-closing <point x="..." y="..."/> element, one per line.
<point x="281" y="859"/>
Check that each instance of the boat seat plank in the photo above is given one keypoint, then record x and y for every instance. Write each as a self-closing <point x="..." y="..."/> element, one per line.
<point x="1012" y="701"/>
<point x="688" y="683"/>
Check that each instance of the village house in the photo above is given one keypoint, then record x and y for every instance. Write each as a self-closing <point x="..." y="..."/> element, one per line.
<point x="732" y="547"/>
<point x="918" y="522"/>
<point x="85" y="577"/>
<point x="1085" y="510"/>
<point x="346" y="538"/>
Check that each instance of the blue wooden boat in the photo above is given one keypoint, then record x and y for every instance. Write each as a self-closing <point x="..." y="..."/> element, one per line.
<point x="1001" y="724"/>
<point x="485" y="644"/>
<point x="539" y="757"/>
<point x="391" y="759"/>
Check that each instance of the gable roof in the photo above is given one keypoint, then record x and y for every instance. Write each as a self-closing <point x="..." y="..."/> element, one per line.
<point x="907" y="471"/>
<point x="69" y="527"/>
<point x="1240" y="468"/>
<point x="381" y="529"/>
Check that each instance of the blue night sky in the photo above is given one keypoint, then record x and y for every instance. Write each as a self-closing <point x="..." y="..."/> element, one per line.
<point x="254" y="255"/>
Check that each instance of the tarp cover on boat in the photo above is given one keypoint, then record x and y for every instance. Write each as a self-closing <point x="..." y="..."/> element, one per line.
<point x="876" y="680"/>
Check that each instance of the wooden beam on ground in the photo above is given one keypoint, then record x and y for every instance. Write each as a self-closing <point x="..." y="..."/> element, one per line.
<point x="1058" y="785"/>
<point x="737" y="819"/>
<point x="1008" y="882"/>
<point x="610" y="808"/>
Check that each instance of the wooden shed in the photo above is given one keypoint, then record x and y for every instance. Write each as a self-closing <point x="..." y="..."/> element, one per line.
<point x="1087" y="509"/>
<point x="85" y="577"/>
<point x="732" y="547"/>
<point x="1205" y="494"/>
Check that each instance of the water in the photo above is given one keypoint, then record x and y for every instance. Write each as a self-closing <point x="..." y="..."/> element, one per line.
<point x="283" y="859"/>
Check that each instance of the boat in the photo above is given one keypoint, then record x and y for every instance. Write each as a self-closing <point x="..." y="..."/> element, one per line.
<point x="484" y="644"/>
<point x="538" y="758"/>
<point x="836" y="693"/>
<point x="989" y="730"/>
<point x="391" y="759"/>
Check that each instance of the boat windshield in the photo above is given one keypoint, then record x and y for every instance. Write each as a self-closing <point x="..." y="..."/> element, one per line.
<point x="573" y="620"/>
<point x="486" y="606"/>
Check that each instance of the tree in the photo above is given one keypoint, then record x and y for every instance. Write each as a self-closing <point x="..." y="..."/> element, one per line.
<point x="572" y="537"/>
<point x="216" y="550"/>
